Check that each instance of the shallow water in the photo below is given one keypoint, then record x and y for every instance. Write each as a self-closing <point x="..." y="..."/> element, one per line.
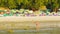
<point x="41" y="31"/>
<point x="45" y="28"/>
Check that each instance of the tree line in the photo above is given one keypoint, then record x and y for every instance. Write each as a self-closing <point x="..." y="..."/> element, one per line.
<point x="30" y="4"/>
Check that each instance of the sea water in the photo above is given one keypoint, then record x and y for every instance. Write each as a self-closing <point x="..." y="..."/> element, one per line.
<point x="45" y="28"/>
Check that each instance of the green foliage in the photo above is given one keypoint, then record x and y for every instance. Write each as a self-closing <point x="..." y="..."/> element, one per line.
<point x="29" y="3"/>
<point x="11" y="4"/>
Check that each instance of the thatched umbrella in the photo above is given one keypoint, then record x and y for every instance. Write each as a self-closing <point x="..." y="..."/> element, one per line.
<point x="2" y="8"/>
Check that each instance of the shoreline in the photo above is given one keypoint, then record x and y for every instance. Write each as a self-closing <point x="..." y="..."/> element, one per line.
<point x="27" y="22"/>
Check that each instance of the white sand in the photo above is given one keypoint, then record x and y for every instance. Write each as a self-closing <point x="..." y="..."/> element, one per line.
<point x="41" y="18"/>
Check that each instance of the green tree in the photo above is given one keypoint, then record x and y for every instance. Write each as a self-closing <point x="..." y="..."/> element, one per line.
<point x="2" y="3"/>
<point x="29" y="3"/>
<point x="11" y="4"/>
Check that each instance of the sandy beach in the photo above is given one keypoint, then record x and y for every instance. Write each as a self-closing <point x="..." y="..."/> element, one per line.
<point x="28" y="22"/>
<point x="37" y="18"/>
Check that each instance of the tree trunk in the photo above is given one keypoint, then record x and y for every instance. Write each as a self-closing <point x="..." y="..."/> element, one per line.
<point x="55" y="10"/>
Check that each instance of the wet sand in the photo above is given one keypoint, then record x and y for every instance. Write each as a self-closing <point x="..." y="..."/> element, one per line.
<point x="27" y="25"/>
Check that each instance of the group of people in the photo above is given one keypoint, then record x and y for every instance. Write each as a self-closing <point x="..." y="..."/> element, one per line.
<point x="28" y="13"/>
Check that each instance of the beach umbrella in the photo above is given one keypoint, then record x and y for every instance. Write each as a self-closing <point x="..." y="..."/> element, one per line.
<point x="13" y="11"/>
<point x="26" y="11"/>
<point x="30" y="11"/>
<point x="21" y="10"/>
